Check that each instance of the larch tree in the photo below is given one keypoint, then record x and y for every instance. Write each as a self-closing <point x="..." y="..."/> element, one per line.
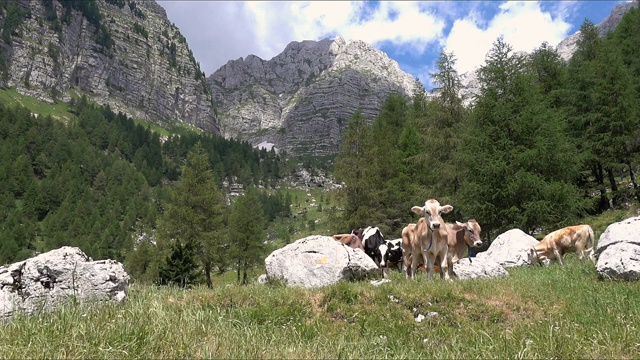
<point x="196" y="214"/>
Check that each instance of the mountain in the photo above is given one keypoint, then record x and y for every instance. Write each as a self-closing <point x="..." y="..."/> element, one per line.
<point x="121" y="53"/>
<point x="568" y="46"/>
<point x="302" y="99"/>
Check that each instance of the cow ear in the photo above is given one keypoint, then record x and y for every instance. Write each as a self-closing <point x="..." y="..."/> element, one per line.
<point x="445" y="209"/>
<point x="461" y="224"/>
<point x="417" y="209"/>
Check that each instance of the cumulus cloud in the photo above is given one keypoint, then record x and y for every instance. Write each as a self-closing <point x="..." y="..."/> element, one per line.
<point x="411" y="32"/>
<point x="523" y="25"/>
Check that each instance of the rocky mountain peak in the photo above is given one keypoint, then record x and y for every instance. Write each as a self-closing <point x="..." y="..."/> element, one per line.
<point x="302" y="98"/>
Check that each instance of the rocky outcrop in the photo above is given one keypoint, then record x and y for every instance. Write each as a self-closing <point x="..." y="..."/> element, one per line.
<point x="618" y="251"/>
<point x="510" y="248"/>
<point x="478" y="268"/>
<point x="138" y="64"/>
<point x="303" y="98"/>
<point x="568" y="46"/>
<point x="317" y="261"/>
<point x="49" y="280"/>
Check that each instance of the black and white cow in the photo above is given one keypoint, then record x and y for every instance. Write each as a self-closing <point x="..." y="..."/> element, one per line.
<point x="371" y="240"/>
<point x="391" y="251"/>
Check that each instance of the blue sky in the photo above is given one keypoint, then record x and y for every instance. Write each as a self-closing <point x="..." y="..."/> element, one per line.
<point x="410" y="32"/>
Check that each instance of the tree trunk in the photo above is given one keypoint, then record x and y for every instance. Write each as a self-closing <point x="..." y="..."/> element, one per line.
<point x="207" y="274"/>
<point x="633" y="181"/>
<point x="245" y="280"/>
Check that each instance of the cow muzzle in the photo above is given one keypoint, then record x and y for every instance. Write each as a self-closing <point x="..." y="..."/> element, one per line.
<point x="435" y="225"/>
<point x="477" y="243"/>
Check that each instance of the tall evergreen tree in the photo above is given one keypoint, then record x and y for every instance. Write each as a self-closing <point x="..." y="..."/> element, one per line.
<point x="520" y="167"/>
<point x="196" y="214"/>
<point x="246" y="228"/>
<point x="353" y="167"/>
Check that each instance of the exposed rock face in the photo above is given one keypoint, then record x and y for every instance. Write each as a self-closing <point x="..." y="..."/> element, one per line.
<point x="568" y="46"/>
<point x="510" y="248"/>
<point x="49" y="280"/>
<point x="618" y="251"/>
<point x="148" y="73"/>
<point x="477" y="268"/>
<point x="303" y="98"/>
<point x="317" y="261"/>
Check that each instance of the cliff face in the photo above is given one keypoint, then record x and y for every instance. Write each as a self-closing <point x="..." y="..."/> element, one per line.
<point x="568" y="46"/>
<point x="129" y="57"/>
<point x="302" y="99"/>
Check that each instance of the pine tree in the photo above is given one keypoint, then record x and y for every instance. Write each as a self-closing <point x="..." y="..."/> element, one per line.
<point x="196" y="214"/>
<point x="246" y="228"/>
<point x="520" y="167"/>
<point x="353" y="168"/>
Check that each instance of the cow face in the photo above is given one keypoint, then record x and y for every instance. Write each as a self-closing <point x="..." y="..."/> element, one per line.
<point x="537" y="257"/>
<point x="432" y="211"/>
<point x="472" y="232"/>
<point x="391" y="252"/>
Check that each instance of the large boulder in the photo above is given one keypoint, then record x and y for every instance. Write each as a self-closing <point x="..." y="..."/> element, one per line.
<point x="618" y="251"/>
<point x="317" y="261"/>
<point x="477" y="268"/>
<point x="510" y="248"/>
<point x="49" y="280"/>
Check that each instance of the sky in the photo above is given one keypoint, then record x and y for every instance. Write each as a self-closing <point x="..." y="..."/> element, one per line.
<point x="411" y="32"/>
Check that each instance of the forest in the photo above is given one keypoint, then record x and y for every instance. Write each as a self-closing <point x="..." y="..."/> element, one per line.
<point x="544" y="143"/>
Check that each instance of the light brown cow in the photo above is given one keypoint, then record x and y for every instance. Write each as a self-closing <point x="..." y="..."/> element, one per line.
<point x="428" y="237"/>
<point x="350" y="240"/>
<point x="461" y="236"/>
<point x="579" y="239"/>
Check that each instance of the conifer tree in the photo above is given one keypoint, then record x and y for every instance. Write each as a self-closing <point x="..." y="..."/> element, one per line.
<point x="196" y="214"/>
<point x="246" y="229"/>
<point x="520" y="167"/>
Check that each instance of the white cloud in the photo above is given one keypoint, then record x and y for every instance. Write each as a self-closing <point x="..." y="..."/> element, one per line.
<point x="524" y="26"/>
<point x="400" y="23"/>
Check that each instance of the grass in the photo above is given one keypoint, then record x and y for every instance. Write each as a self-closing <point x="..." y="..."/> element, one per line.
<point x="57" y="111"/>
<point x="553" y="312"/>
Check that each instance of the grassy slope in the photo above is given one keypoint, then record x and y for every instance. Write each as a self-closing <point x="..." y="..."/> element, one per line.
<point x="554" y="312"/>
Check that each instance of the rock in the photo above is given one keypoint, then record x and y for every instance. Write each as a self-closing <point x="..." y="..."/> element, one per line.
<point x="510" y="248"/>
<point x="302" y="99"/>
<point x="49" y="280"/>
<point x="262" y="279"/>
<point x="476" y="268"/>
<point x="618" y="251"/>
<point x="379" y="282"/>
<point x="317" y="261"/>
<point x="149" y="74"/>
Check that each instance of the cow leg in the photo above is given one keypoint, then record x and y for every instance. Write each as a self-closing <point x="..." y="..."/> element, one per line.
<point x="445" y="272"/>
<point x="429" y="261"/>
<point x="558" y="256"/>
<point x="450" y="265"/>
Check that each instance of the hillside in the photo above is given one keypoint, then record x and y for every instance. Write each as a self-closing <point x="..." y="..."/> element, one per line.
<point x="535" y="313"/>
<point x="121" y="53"/>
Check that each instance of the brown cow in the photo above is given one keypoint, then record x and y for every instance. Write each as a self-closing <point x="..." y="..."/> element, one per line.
<point x="578" y="238"/>
<point x="428" y="237"/>
<point x="461" y="236"/>
<point x="350" y="240"/>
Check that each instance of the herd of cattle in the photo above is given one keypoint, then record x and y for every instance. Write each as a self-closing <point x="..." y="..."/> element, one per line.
<point x="432" y="243"/>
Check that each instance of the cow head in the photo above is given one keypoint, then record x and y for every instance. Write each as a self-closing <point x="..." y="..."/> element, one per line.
<point x="391" y="251"/>
<point x="432" y="211"/>
<point x="537" y="257"/>
<point x="472" y="232"/>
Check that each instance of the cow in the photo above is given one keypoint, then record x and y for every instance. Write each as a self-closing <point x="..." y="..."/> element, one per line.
<point x="461" y="236"/>
<point x="372" y="239"/>
<point x="391" y="251"/>
<point x="350" y="240"/>
<point x="428" y="237"/>
<point x="577" y="238"/>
